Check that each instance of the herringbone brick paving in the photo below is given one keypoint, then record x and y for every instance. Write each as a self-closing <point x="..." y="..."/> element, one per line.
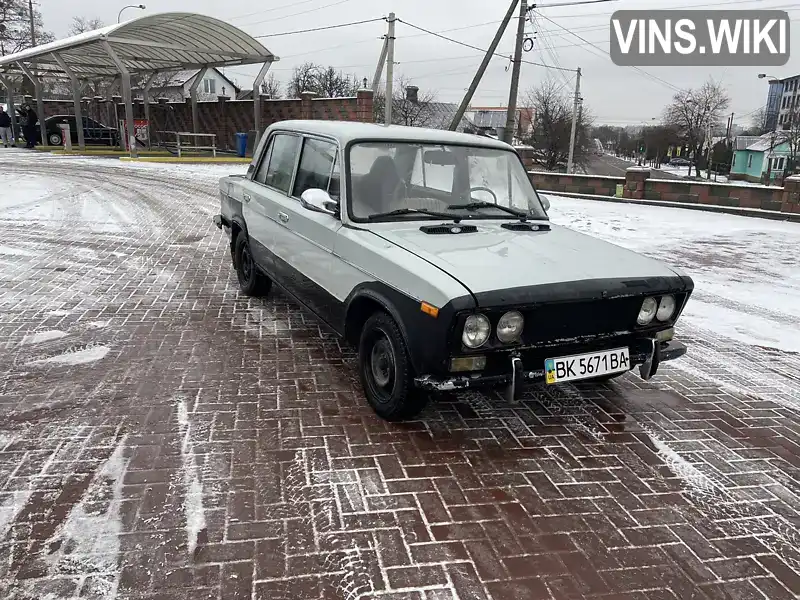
<point x="163" y="436"/>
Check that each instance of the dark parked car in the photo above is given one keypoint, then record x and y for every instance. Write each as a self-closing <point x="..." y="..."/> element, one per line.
<point x="679" y="162"/>
<point x="94" y="132"/>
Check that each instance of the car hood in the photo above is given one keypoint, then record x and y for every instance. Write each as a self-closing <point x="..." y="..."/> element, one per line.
<point x="495" y="258"/>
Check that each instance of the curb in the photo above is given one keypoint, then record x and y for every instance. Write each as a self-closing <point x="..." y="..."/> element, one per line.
<point x="189" y="159"/>
<point x="730" y="210"/>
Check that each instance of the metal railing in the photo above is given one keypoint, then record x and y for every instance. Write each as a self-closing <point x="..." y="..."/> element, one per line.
<point x="182" y="137"/>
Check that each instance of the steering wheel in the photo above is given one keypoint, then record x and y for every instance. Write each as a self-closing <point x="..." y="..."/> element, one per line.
<point x="483" y="189"/>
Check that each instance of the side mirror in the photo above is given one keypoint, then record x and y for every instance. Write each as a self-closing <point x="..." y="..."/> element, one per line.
<point x="319" y="201"/>
<point x="545" y="203"/>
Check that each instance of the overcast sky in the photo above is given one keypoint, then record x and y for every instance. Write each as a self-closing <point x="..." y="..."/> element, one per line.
<point x="616" y="95"/>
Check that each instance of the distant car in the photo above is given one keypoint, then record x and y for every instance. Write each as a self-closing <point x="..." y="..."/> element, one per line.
<point x="433" y="254"/>
<point x="94" y="132"/>
<point x="679" y="162"/>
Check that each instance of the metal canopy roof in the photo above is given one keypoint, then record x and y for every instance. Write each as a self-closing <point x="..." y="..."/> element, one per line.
<point x="161" y="42"/>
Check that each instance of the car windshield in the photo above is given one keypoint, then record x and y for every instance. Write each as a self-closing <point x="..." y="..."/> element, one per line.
<point x="412" y="180"/>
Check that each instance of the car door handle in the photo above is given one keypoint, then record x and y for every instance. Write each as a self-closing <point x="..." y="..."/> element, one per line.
<point x="246" y="197"/>
<point x="283" y="217"/>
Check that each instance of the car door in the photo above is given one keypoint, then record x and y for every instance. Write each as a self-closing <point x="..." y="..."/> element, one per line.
<point x="305" y="239"/>
<point x="258" y="192"/>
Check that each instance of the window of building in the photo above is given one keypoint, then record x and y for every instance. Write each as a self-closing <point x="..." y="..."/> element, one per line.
<point x="209" y="86"/>
<point x="749" y="161"/>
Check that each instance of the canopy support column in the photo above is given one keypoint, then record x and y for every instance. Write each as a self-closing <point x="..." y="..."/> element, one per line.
<point x="76" y="100"/>
<point x="127" y="96"/>
<point x="9" y="85"/>
<point x="257" y="101"/>
<point x="147" y="85"/>
<point x="193" y="97"/>
<point x="37" y="87"/>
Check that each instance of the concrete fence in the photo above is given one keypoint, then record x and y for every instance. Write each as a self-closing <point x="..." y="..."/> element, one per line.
<point x="638" y="185"/>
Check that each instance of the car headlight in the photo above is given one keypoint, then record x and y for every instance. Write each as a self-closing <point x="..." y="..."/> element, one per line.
<point x="509" y="327"/>
<point x="648" y="311"/>
<point x="476" y="331"/>
<point x="666" y="308"/>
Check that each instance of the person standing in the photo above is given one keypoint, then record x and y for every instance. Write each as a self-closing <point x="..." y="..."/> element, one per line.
<point x="6" y="134"/>
<point x="30" y="132"/>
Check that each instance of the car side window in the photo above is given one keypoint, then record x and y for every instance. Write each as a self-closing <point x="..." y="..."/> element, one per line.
<point x="261" y="174"/>
<point x="282" y="159"/>
<point x="316" y="166"/>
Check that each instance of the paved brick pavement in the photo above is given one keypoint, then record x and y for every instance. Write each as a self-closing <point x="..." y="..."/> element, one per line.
<point x="163" y="437"/>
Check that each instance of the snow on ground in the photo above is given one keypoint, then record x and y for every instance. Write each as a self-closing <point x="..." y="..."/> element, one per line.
<point x="43" y="336"/>
<point x="746" y="270"/>
<point x="193" y="497"/>
<point x="77" y="357"/>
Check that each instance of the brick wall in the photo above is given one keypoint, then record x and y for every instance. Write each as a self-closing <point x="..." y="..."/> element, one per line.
<point x="639" y="185"/>
<point x="576" y="184"/>
<point x="224" y="117"/>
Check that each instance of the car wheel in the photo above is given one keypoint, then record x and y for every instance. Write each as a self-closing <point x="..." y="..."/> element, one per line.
<point x="251" y="281"/>
<point x="55" y="139"/>
<point x="386" y="372"/>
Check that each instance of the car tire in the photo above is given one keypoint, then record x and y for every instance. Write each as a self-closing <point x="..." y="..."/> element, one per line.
<point x="385" y="369"/>
<point x="251" y="281"/>
<point x="55" y="139"/>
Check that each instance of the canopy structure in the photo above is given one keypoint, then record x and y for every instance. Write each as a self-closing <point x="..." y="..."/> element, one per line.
<point x="141" y="47"/>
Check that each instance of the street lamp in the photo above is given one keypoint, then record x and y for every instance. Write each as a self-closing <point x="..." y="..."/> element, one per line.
<point x="139" y="6"/>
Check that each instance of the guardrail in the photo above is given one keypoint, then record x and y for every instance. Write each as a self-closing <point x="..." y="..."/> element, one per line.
<point x="182" y="146"/>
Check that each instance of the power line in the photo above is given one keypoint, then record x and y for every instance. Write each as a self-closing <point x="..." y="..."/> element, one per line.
<point x="269" y="10"/>
<point x="270" y="35"/>
<point x="460" y="43"/>
<point x="642" y="71"/>
<point x="689" y="6"/>
<point x="304" y="12"/>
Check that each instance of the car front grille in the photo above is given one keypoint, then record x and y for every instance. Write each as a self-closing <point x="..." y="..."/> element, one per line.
<point x="569" y="320"/>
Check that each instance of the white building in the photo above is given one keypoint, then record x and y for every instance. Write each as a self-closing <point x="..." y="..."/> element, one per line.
<point x="781" y="99"/>
<point x="176" y="86"/>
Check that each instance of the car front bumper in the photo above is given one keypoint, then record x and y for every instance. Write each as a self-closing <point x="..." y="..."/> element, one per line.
<point x="527" y="366"/>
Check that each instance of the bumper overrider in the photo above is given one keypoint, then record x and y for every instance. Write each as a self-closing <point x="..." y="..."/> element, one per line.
<point x="528" y="365"/>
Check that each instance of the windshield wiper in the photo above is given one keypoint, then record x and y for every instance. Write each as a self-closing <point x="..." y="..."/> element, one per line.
<point x="477" y="205"/>
<point x="411" y="211"/>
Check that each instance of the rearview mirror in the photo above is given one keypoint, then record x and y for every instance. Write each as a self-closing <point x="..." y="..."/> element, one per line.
<point x="317" y="200"/>
<point x="545" y="203"/>
<point x="439" y="157"/>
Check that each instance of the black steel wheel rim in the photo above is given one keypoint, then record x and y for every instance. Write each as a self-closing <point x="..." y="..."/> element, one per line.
<point x="381" y="367"/>
<point x="246" y="264"/>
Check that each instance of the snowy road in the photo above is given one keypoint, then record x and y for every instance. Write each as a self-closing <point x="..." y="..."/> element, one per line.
<point x="163" y="437"/>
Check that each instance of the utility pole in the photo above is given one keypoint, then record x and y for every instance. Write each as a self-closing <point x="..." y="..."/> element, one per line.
<point x="389" y="68"/>
<point x="33" y="29"/>
<point x="482" y="69"/>
<point x="511" y="117"/>
<point x="574" y="120"/>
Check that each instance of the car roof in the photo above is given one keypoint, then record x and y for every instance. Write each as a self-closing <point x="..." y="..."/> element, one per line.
<point x="350" y="131"/>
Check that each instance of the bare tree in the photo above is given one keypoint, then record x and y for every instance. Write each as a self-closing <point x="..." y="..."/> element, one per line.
<point x="303" y="79"/>
<point x="330" y="83"/>
<point x="553" y="127"/>
<point x="695" y="113"/>
<point x="15" y="27"/>
<point x="271" y="87"/>
<point x="82" y="25"/>
<point x="410" y="106"/>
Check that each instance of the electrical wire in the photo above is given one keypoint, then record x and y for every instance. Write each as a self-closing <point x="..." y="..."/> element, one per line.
<point x="304" y="12"/>
<point x="449" y="39"/>
<point x="637" y="69"/>
<point x="689" y="6"/>
<point x="269" y="10"/>
<point x="271" y="35"/>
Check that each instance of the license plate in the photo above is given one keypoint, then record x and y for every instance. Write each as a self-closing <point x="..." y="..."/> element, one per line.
<point x="586" y="366"/>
